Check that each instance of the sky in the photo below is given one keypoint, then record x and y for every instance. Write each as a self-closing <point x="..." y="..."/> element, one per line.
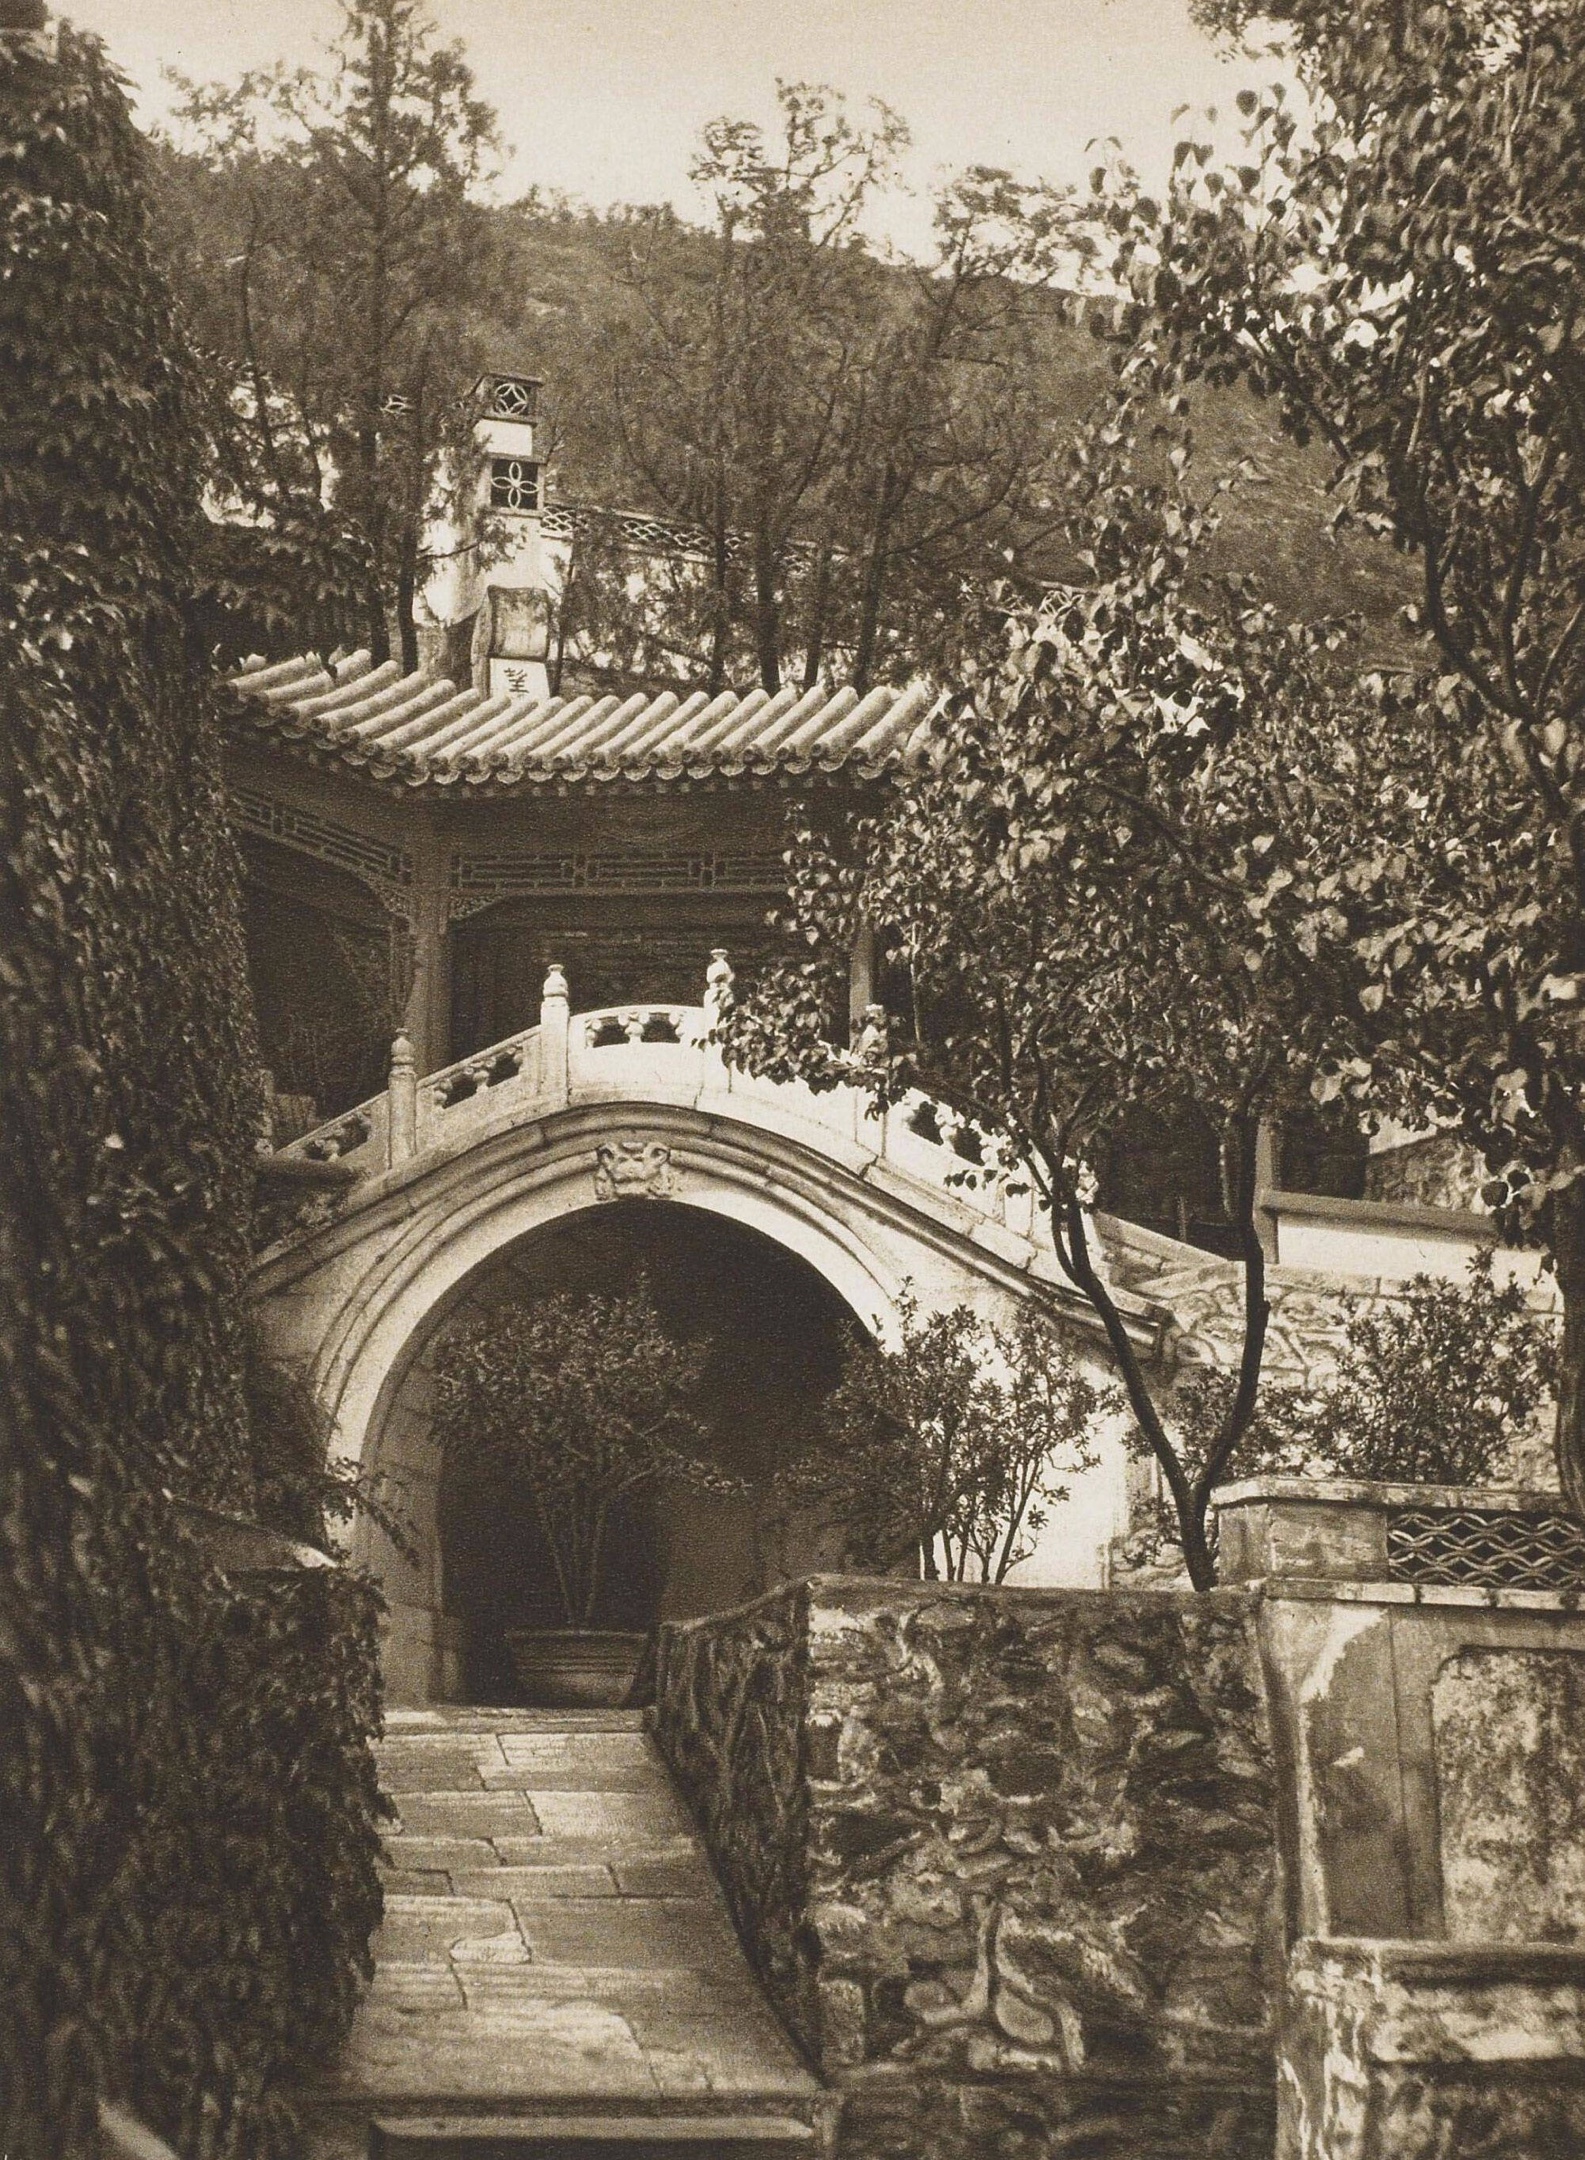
<point x="605" y="98"/>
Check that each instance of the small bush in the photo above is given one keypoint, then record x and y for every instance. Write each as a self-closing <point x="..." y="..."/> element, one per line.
<point x="1437" y="1386"/>
<point x="583" y="1405"/>
<point x="948" y="1448"/>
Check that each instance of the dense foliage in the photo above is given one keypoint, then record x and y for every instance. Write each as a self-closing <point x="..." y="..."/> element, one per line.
<point x="1400" y="270"/>
<point x="847" y="441"/>
<point x="839" y="437"/>
<point x="1086" y="898"/>
<point x="946" y="1447"/>
<point x="328" y="236"/>
<point x="173" y="1751"/>
<point x="583" y="1404"/>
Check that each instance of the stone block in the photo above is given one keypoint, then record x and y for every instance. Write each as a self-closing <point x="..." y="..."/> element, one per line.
<point x="436" y="1930"/>
<point x="1509" y="1729"/>
<point x="467" y="1814"/>
<point x="1417" y="2051"/>
<point x="535" y="1882"/>
<point x="630" y="1932"/>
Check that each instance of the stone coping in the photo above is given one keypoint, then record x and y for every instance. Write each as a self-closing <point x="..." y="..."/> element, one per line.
<point x="280" y="1169"/>
<point x="1358" y="1492"/>
<point x="854" y="1592"/>
<point x="239" y="1547"/>
<point x="857" y="1591"/>
<point x="1388" y="1215"/>
<point x="1547" y="1964"/>
<point x="1482" y="1597"/>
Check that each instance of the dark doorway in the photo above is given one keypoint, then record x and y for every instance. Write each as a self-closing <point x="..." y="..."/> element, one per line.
<point x="778" y="1330"/>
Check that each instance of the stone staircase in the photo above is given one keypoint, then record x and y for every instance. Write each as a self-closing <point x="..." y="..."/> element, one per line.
<point x="557" y="1977"/>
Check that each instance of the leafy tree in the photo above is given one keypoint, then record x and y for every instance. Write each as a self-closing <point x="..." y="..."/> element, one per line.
<point x="845" y="438"/>
<point x="1402" y="274"/>
<point x="1085" y="893"/>
<point x="328" y="231"/>
<point x="727" y="382"/>
<point x="946" y="442"/>
<point x="956" y="1440"/>
<point x="584" y="1405"/>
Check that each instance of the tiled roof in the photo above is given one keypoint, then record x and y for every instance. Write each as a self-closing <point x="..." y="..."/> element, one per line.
<point x="422" y="731"/>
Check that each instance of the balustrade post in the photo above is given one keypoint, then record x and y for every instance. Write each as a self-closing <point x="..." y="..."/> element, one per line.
<point x="717" y="1004"/>
<point x="553" y="1039"/>
<point x="402" y="1101"/>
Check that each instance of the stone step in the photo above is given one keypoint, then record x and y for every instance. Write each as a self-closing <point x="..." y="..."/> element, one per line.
<point x="593" y="2137"/>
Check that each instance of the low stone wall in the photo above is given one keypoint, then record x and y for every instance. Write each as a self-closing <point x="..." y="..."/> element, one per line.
<point x="1411" y="2051"/>
<point x="1006" y="1859"/>
<point x="732" y="1717"/>
<point x="1298" y="1867"/>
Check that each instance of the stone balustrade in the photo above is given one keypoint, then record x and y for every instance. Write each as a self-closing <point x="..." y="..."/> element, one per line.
<point x="1478" y="1540"/>
<point x="667" y="1054"/>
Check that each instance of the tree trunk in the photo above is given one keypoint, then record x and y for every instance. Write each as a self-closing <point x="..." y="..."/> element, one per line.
<point x="379" y="629"/>
<point x="1568" y="1247"/>
<point x="815" y="645"/>
<point x="874" y="590"/>
<point x="767" y="615"/>
<point x="721" y="603"/>
<point x="1188" y="1505"/>
<point x="406" y="628"/>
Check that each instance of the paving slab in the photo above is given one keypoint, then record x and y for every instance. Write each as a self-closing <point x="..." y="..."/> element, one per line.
<point x="635" y="1933"/>
<point x="613" y="1847"/>
<point x="589" y="1880"/>
<point x="609" y="1816"/>
<point x="444" y="1853"/>
<point x="554" y="1935"/>
<point x="684" y="1874"/>
<point x="466" y="1814"/>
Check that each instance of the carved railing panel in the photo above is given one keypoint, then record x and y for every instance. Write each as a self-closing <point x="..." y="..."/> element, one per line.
<point x="1492" y="1548"/>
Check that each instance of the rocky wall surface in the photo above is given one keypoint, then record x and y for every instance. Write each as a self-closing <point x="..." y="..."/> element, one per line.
<point x="1005" y="1859"/>
<point x="732" y="1719"/>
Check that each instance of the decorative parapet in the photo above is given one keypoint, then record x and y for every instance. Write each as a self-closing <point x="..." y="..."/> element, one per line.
<point x="1435" y="1536"/>
<point x="917" y="1151"/>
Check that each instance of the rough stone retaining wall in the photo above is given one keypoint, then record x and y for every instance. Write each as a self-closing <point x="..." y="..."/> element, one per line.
<point x="1006" y="1860"/>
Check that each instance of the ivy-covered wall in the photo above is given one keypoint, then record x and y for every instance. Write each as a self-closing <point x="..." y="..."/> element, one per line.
<point x="186" y="1803"/>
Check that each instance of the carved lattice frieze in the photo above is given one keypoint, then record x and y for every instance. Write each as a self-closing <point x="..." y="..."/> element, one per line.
<point x="1492" y="1548"/>
<point x="381" y="865"/>
<point x="477" y="879"/>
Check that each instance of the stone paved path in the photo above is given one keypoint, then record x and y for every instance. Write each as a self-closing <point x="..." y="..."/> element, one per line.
<point x="554" y="1939"/>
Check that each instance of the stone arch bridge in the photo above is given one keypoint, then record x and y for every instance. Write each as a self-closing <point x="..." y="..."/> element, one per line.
<point x="417" y="1193"/>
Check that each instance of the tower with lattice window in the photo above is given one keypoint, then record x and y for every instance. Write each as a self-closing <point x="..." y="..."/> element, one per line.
<point x="486" y="605"/>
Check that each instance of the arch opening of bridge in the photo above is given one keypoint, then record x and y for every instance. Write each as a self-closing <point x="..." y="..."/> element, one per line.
<point x="775" y="1329"/>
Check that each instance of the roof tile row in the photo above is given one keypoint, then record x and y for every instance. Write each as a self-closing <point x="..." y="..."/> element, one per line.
<point x="423" y="731"/>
